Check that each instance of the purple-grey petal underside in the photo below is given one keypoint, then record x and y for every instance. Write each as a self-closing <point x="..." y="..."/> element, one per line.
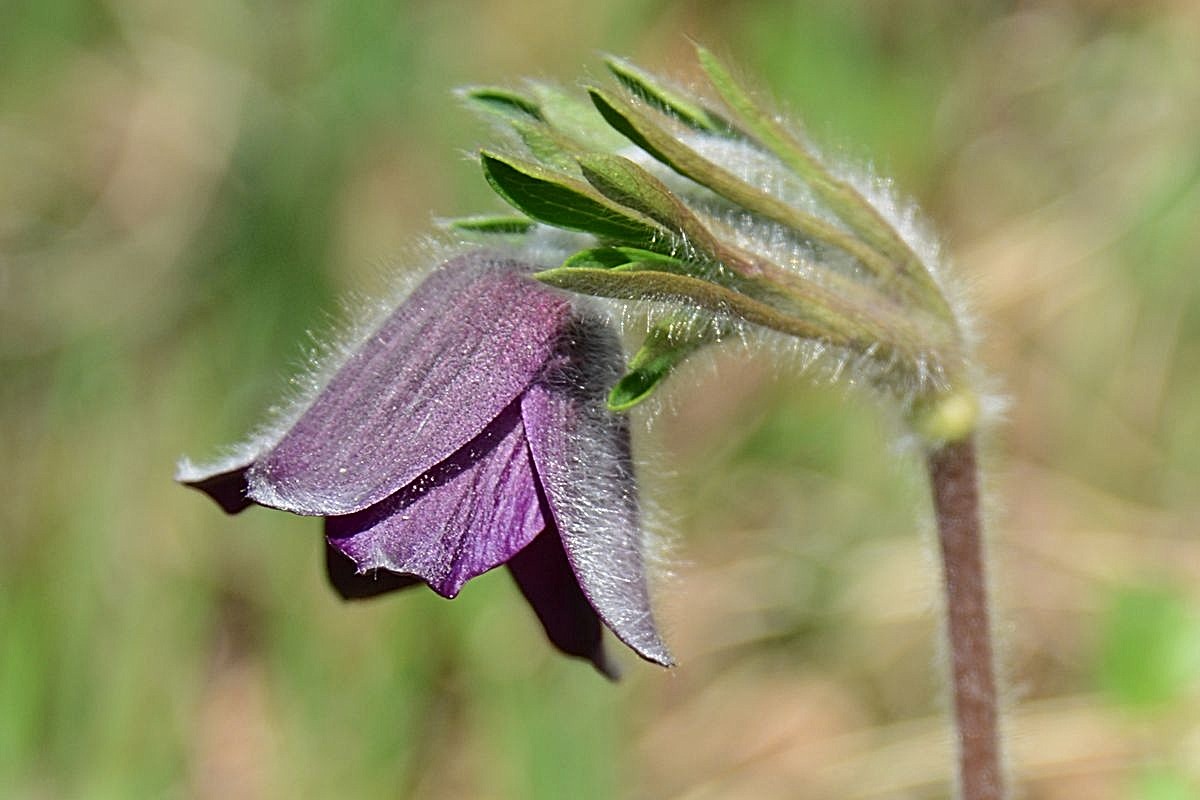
<point x="581" y="454"/>
<point x="548" y="583"/>
<point x="465" y="516"/>
<point x="454" y="355"/>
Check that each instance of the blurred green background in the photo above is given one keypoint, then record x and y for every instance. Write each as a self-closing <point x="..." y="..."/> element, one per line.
<point x="186" y="190"/>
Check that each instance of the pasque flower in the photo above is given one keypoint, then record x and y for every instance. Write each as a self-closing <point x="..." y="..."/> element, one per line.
<point x="475" y="427"/>
<point x="724" y="221"/>
<point x="469" y="430"/>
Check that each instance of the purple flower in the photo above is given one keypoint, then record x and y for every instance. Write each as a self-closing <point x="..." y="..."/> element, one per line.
<point x="469" y="431"/>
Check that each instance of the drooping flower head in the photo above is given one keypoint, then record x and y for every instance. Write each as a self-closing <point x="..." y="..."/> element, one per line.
<point x="470" y="431"/>
<point x="476" y="427"/>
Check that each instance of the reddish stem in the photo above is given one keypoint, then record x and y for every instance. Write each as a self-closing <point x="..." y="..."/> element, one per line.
<point x="953" y="477"/>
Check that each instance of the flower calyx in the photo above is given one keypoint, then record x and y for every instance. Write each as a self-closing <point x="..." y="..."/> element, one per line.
<point x="712" y="206"/>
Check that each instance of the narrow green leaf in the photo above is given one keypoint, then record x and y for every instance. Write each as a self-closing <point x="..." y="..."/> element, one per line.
<point x="547" y="145"/>
<point x="646" y="133"/>
<point x="668" y="344"/>
<point x="629" y="283"/>
<point x="525" y="117"/>
<point x="667" y="101"/>
<point x="504" y="102"/>
<point x="760" y="124"/>
<point x="563" y="201"/>
<point x="845" y="313"/>
<point x="617" y="257"/>
<point x="845" y="201"/>
<point x="492" y="224"/>
<point x="619" y="115"/>
<point x="716" y="258"/>
<point x="637" y="385"/>
<point x="627" y="183"/>
<point x="575" y="118"/>
<point x="632" y="186"/>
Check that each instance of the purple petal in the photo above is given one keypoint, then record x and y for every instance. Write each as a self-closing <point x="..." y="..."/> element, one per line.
<point x="545" y="578"/>
<point x="460" y="519"/>
<point x="354" y="586"/>
<point x="463" y="346"/>
<point x="582" y="458"/>
<point x="228" y="487"/>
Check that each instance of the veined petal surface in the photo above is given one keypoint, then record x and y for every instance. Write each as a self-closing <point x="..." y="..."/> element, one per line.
<point x="581" y="453"/>
<point x="470" y="513"/>
<point x="445" y="364"/>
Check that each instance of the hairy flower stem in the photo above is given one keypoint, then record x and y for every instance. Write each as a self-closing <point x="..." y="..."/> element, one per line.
<point x="953" y="477"/>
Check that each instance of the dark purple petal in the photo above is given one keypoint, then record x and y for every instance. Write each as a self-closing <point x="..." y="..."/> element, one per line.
<point x="545" y="578"/>
<point x="228" y="488"/>
<point x="454" y="355"/>
<point x="465" y="516"/>
<point x="352" y="585"/>
<point x="581" y="454"/>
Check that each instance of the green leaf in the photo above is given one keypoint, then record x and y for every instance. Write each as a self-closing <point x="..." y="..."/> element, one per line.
<point x="845" y="201"/>
<point x="646" y="133"/>
<point x="719" y="260"/>
<point x="563" y="201"/>
<point x="714" y="257"/>
<point x="627" y="183"/>
<point x="504" y="102"/>
<point x="668" y="344"/>
<point x="624" y="118"/>
<point x="632" y="282"/>
<point x="761" y="124"/>
<point x="667" y="101"/>
<point x="492" y="224"/>
<point x="724" y="263"/>
<point x="575" y="118"/>
<point x="547" y="145"/>
<point x="618" y="257"/>
<point x="525" y="117"/>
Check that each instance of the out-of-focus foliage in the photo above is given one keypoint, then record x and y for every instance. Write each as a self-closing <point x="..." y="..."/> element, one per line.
<point x="1150" y="651"/>
<point x="185" y="189"/>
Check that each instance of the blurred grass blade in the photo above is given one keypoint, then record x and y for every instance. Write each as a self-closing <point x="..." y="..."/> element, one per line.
<point x="557" y="199"/>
